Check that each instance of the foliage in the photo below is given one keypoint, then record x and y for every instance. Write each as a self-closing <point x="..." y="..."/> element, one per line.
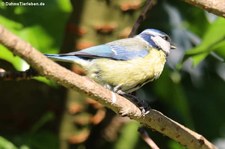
<point x="33" y="24"/>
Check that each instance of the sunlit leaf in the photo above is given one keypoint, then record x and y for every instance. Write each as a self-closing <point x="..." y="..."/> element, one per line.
<point x="36" y="25"/>
<point x="16" y="61"/>
<point x="214" y="36"/>
<point x="5" y="144"/>
<point x="196" y="59"/>
<point x="220" y="49"/>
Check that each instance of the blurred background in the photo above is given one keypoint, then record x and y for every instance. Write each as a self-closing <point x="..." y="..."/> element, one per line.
<point x="40" y="114"/>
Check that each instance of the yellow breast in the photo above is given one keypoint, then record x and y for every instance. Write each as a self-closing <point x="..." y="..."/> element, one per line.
<point x="128" y="75"/>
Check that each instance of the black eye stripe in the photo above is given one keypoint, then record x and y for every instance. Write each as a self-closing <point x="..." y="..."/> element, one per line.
<point x="167" y="38"/>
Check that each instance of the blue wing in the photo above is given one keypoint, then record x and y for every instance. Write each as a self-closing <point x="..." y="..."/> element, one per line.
<point x="113" y="50"/>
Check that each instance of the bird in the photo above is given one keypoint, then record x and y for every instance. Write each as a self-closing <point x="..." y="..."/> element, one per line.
<point x="123" y="65"/>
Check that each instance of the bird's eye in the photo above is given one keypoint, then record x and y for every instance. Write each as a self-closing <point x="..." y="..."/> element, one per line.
<point x="167" y="38"/>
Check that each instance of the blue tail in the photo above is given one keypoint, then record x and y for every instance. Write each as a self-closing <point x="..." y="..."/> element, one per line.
<point x="67" y="58"/>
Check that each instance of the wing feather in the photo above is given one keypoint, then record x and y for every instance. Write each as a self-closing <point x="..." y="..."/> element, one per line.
<point x="123" y="49"/>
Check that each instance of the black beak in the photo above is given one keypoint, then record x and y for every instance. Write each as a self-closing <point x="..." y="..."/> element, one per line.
<point x="172" y="46"/>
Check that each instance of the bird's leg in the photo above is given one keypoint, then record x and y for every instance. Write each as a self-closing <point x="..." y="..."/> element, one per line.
<point x="142" y="105"/>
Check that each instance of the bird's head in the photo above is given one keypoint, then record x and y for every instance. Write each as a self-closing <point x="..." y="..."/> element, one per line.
<point x="157" y="39"/>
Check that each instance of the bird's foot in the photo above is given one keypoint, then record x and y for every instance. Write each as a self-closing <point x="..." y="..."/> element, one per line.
<point x="142" y="105"/>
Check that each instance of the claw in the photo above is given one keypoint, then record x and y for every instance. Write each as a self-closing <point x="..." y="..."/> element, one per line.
<point x="141" y="104"/>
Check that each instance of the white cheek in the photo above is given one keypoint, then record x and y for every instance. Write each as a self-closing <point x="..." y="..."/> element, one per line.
<point x="163" y="44"/>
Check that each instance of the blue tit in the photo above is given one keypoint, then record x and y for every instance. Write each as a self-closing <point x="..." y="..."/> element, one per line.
<point x="124" y="65"/>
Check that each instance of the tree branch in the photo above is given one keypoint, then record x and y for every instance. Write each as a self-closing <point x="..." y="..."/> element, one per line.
<point x="142" y="17"/>
<point x="52" y="70"/>
<point x="214" y="6"/>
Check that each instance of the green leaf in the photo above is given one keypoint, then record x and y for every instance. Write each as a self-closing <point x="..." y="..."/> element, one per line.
<point x="220" y="49"/>
<point x="196" y="59"/>
<point x="16" y="61"/>
<point x="214" y="36"/>
<point x="5" y="144"/>
<point x="43" y="30"/>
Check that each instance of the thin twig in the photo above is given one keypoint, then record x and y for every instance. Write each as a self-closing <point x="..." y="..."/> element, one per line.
<point x="147" y="138"/>
<point x="142" y="17"/>
<point x="17" y="75"/>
